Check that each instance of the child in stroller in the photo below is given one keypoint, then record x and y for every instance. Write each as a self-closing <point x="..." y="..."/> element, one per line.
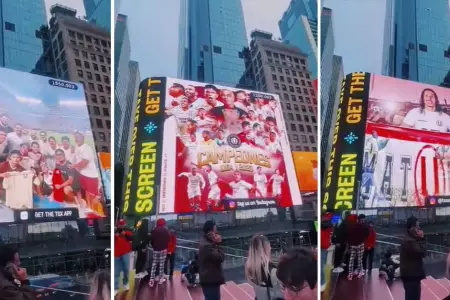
<point x="189" y="272"/>
<point x="388" y="266"/>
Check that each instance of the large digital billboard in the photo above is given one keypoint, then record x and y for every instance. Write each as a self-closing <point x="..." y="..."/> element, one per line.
<point x="200" y="147"/>
<point x="306" y="168"/>
<point x="48" y="164"/>
<point x="391" y="145"/>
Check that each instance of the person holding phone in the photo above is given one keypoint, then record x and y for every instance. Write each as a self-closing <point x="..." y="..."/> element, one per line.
<point x="412" y="252"/>
<point x="14" y="283"/>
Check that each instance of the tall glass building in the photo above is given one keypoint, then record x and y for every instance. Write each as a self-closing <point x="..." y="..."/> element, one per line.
<point x="21" y="34"/>
<point x="212" y="41"/>
<point x="122" y="55"/>
<point x="298" y="27"/>
<point x="417" y="40"/>
<point x="99" y="12"/>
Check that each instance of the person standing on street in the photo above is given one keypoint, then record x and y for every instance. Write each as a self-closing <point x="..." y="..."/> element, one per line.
<point x="412" y="252"/>
<point x="170" y="260"/>
<point x="140" y="245"/>
<point x="369" y="249"/>
<point x="357" y="235"/>
<point x="326" y="232"/>
<point x="160" y="242"/>
<point x="210" y="259"/>
<point x="122" y="250"/>
<point x="14" y="283"/>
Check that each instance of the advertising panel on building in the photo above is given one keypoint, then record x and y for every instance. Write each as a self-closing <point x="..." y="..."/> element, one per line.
<point x="48" y="165"/>
<point x="105" y="173"/>
<point x="200" y="147"/>
<point x="392" y="145"/>
<point x="306" y="164"/>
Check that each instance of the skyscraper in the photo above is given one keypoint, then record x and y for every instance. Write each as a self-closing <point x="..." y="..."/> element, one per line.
<point x="212" y="41"/>
<point x="82" y="53"/>
<point x="99" y="12"/>
<point x="298" y="27"/>
<point x="417" y="40"/>
<point x="21" y="45"/>
<point x="283" y="70"/>
<point x="134" y="80"/>
<point x="329" y="117"/>
<point x="121" y="76"/>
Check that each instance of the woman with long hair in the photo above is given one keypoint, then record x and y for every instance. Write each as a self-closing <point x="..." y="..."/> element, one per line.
<point x="101" y="286"/>
<point x="260" y="271"/>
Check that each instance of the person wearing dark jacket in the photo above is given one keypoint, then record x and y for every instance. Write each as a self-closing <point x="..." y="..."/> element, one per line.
<point x="140" y="245"/>
<point x="14" y="284"/>
<point x="412" y="252"/>
<point x="210" y="259"/>
<point x="357" y="234"/>
<point x="369" y="248"/>
<point x="160" y="242"/>
<point x="170" y="260"/>
<point x="339" y="239"/>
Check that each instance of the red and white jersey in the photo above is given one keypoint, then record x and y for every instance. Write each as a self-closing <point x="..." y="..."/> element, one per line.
<point x="260" y="181"/>
<point x="240" y="189"/>
<point x="202" y="103"/>
<point x="204" y="123"/>
<point x="267" y="111"/>
<point x="195" y="181"/>
<point x="427" y="120"/>
<point x="182" y="115"/>
<point x="212" y="178"/>
<point x="277" y="180"/>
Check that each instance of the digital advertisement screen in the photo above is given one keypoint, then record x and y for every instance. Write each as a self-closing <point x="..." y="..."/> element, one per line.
<point x="199" y="147"/>
<point x="48" y="164"/>
<point x="105" y="172"/>
<point x="407" y="145"/>
<point x="306" y="164"/>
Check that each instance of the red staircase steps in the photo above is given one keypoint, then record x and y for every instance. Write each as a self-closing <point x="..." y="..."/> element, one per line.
<point x="348" y="290"/>
<point x="435" y="287"/>
<point x="176" y="290"/>
<point x="375" y="287"/>
<point x="445" y="283"/>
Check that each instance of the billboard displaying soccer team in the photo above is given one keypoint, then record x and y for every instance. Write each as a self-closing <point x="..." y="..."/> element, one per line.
<point x="48" y="164"/>
<point x="201" y="147"/>
<point x="392" y="145"/>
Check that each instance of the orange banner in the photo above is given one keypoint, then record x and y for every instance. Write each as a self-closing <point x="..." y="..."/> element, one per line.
<point x="306" y="168"/>
<point x="105" y="160"/>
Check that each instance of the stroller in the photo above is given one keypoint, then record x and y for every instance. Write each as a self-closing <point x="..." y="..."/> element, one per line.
<point x="189" y="273"/>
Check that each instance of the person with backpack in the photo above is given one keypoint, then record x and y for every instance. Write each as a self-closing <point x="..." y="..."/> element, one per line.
<point x="339" y="239"/>
<point x="122" y="251"/>
<point x="260" y="270"/>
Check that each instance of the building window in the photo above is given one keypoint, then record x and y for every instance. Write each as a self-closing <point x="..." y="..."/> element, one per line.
<point x="288" y="105"/>
<point x="78" y="62"/>
<point x="303" y="138"/>
<point x="91" y="86"/>
<point x="269" y="53"/>
<point x="10" y="26"/>
<point x="96" y="110"/>
<point x="84" y="54"/>
<point x="105" y="112"/>
<point x="217" y="49"/>
<point x="99" y="123"/>
<point x="290" y="117"/>
<point x="423" y="48"/>
<point x="277" y="87"/>
<point x="86" y="65"/>
<point x="205" y="48"/>
<point x="102" y="136"/>
<point x="89" y="75"/>
<point x="80" y="73"/>
<point x="274" y="77"/>
<point x="306" y="148"/>
<point x="240" y="54"/>
<point x="76" y="52"/>
<point x="301" y="128"/>
<point x="94" y="98"/>
<point x="299" y="117"/>
<point x="293" y="127"/>
<point x="311" y="139"/>
<point x="100" y="88"/>
<point x="308" y="128"/>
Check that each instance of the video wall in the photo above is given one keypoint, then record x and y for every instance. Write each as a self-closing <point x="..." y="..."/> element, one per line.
<point x="392" y="145"/>
<point x="48" y="164"/>
<point x="198" y="147"/>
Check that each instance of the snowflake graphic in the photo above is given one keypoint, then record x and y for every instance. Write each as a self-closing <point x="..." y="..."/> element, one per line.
<point x="150" y="127"/>
<point x="351" y="138"/>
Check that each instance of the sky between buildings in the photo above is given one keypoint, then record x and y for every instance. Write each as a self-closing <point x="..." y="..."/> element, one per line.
<point x="358" y="33"/>
<point x="153" y="28"/>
